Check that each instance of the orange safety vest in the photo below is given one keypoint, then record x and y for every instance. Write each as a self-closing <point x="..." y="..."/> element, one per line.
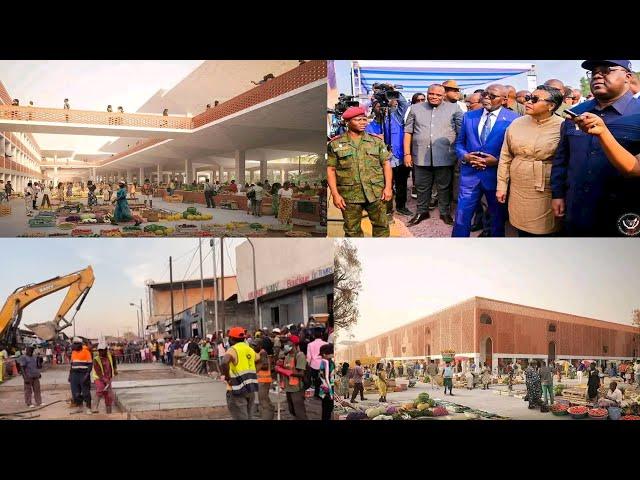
<point x="264" y="376"/>
<point x="293" y="381"/>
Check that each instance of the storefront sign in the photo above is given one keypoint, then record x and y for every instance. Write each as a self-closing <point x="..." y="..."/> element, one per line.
<point x="292" y="282"/>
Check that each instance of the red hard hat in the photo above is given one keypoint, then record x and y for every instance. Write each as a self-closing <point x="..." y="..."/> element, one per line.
<point x="237" y="332"/>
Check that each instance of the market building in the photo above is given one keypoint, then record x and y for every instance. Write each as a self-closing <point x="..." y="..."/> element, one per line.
<point x="187" y="306"/>
<point x="497" y="333"/>
<point x="293" y="279"/>
<point x="20" y="154"/>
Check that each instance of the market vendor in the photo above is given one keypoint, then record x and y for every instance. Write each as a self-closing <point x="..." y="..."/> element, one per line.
<point x="613" y="397"/>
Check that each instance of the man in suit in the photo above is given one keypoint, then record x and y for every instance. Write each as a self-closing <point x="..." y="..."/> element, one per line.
<point x="586" y="188"/>
<point x="430" y="131"/>
<point x="478" y="149"/>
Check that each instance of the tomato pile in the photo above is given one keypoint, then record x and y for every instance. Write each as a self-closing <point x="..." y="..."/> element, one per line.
<point x="598" y="412"/>
<point x="631" y="417"/>
<point x="559" y="407"/>
<point x="577" y="410"/>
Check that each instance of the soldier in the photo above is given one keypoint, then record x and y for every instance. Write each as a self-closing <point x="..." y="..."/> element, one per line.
<point x="359" y="175"/>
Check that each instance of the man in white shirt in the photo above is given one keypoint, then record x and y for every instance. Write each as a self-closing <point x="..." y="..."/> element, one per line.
<point x="636" y="372"/>
<point x="29" y="195"/>
<point x="257" y="199"/>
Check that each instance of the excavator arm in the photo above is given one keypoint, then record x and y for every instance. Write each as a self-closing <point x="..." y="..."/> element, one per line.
<point x="79" y="284"/>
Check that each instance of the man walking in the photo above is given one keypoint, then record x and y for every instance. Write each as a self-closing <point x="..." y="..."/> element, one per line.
<point x="239" y="370"/>
<point x="258" y="193"/>
<point x="546" y="377"/>
<point x="448" y="378"/>
<point x="358" y="373"/>
<point x="430" y="131"/>
<point x="208" y="193"/>
<point x="31" y="376"/>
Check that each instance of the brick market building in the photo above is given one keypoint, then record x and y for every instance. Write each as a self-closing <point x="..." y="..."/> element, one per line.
<point x="498" y="332"/>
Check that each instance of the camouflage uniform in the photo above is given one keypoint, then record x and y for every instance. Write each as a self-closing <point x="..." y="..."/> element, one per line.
<point x="360" y="181"/>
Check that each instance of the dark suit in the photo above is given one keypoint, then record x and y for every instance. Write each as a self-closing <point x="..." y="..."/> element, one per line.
<point x="474" y="183"/>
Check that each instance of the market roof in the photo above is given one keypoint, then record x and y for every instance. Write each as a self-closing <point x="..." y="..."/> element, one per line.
<point x="193" y="283"/>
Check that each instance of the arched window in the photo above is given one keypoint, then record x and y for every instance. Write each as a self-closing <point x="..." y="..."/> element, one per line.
<point x="552" y="327"/>
<point x="486" y="319"/>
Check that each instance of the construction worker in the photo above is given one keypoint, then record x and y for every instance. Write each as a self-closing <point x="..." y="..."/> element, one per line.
<point x="239" y="370"/>
<point x="264" y="380"/>
<point x="295" y="362"/>
<point x="104" y="369"/>
<point x="80" y="375"/>
<point x="30" y="369"/>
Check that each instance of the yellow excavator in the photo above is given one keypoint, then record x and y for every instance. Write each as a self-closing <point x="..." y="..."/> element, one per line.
<point x="79" y="284"/>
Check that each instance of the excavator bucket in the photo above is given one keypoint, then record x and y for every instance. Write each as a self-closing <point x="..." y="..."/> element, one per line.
<point x="46" y="331"/>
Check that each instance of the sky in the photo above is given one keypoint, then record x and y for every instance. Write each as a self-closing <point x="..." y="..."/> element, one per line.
<point x="407" y="279"/>
<point x="121" y="267"/>
<point x="89" y="85"/>
<point x="569" y="71"/>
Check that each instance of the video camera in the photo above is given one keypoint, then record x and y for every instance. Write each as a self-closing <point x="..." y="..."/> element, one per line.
<point x="383" y="93"/>
<point x="344" y="102"/>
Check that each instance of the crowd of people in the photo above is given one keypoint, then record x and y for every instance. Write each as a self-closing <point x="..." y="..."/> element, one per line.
<point x="297" y="357"/>
<point x="551" y="162"/>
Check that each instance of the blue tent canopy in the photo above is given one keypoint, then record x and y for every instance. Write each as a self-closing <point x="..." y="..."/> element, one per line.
<point x="416" y="76"/>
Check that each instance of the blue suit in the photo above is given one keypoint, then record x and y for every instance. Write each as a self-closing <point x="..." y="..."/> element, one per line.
<point x="474" y="183"/>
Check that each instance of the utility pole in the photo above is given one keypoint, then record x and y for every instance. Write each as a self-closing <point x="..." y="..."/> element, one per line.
<point x="224" y="327"/>
<point x="212" y="243"/>
<point x="141" y="319"/>
<point x="173" y="333"/>
<point x="204" y="323"/>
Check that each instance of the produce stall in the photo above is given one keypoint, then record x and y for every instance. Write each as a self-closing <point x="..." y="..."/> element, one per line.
<point x="422" y="408"/>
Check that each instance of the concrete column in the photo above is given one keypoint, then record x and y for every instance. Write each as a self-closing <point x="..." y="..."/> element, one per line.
<point x="129" y="176"/>
<point x="263" y="170"/>
<point x="188" y="170"/>
<point x="221" y="173"/>
<point x="251" y="172"/>
<point x="240" y="166"/>
<point x="141" y="176"/>
<point x="93" y="174"/>
<point x="158" y="173"/>
<point x="305" y="305"/>
<point x="282" y="176"/>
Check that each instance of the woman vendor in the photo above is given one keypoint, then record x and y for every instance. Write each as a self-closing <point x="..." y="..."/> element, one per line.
<point x="381" y="382"/>
<point x="122" y="213"/>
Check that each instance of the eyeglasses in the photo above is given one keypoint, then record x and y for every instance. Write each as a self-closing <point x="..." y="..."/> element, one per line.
<point x="490" y="95"/>
<point x="604" y="71"/>
<point x="535" y="99"/>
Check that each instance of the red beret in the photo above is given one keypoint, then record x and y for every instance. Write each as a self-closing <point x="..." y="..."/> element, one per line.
<point x="353" y="112"/>
<point x="294" y="339"/>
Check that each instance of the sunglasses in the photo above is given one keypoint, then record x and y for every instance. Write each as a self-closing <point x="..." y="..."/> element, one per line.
<point x="604" y="71"/>
<point x="535" y="99"/>
<point x="490" y="95"/>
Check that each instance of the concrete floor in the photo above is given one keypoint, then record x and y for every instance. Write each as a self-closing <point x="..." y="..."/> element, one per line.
<point x="486" y="400"/>
<point x="16" y="224"/>
<point x="143" y="391"/>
